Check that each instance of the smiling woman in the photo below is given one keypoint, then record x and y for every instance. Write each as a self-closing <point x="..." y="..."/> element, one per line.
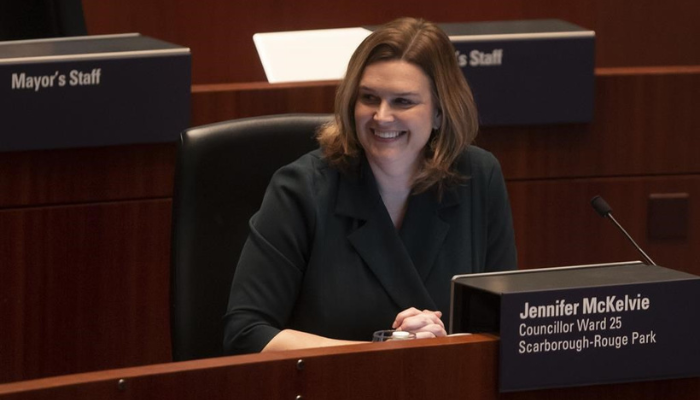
<point x="426" y="47"/>
<point x="366" y="233"/>
<point x="395" y="116"/>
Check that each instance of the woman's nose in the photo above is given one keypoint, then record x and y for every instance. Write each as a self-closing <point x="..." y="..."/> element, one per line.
<point x="383" y="113"/>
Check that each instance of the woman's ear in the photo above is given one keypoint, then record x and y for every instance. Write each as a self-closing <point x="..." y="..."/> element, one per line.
<point x="437" y="120"/>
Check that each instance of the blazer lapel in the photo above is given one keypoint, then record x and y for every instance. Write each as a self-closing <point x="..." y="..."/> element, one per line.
<point x="378" y="243"/>
<point x="423" y="231"/>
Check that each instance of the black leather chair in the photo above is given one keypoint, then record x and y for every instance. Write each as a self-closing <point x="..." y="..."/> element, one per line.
<point x="221" y="175"/>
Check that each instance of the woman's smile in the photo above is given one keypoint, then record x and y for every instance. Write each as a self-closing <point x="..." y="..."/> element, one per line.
<point x="387" y="134"/>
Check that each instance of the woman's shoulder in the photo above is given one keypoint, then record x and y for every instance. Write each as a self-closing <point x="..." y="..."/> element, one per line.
<point x="476" y="161"/>
<point x="310" y="170"/>
<point x="308" y="164"/>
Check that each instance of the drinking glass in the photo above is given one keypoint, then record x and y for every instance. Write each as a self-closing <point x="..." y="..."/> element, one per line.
<point x="391" y="334"/>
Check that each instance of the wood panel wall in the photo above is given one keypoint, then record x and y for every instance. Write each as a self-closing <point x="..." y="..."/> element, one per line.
<point x="84" y="255"/>
<point x="84" y="250"/>
<point x="219" y="32"/>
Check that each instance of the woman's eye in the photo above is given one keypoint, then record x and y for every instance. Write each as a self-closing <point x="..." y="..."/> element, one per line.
<point x="368" y="98"/>
<point x="403" y="102"/>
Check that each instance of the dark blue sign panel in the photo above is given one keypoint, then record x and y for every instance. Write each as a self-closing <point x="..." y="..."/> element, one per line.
<point x="525" y="82"/>
<point x="92" y="92"/>
<point x="600" y="335"/>
<point x="586" y="325"/>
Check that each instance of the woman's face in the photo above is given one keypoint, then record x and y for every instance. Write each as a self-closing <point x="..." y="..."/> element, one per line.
<point x="394" y="114"/>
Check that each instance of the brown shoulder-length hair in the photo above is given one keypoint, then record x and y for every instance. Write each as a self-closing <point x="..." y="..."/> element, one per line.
<point x="424" y="44"/>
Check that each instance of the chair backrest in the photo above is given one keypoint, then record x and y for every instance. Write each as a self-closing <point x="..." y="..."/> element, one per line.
<point x="221" y="175"/>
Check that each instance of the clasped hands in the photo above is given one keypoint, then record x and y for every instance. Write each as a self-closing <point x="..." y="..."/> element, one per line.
<point x="425" y="324"/>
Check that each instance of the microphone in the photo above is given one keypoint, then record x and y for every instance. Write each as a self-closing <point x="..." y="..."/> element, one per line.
<point x="602" y="208"/>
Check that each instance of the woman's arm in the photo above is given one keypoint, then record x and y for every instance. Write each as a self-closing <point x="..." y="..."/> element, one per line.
<point x="425" y="324"/>
<point x="271" y="268"/>
<point x="290" y="339"/>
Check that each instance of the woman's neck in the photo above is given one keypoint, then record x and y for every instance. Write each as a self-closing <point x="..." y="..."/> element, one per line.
<point x="394" y="187"/>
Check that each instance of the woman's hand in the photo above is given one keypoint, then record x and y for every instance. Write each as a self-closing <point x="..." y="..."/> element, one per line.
<point x="425" y="324"/>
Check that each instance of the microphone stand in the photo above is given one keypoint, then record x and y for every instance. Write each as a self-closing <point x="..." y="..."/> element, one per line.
<point x="602" y="208"/>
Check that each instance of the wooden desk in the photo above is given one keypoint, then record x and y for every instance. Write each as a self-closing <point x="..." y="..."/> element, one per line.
<point x="446" y="368"/>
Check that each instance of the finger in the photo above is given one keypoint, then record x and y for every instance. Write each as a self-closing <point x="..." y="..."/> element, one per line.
<point x="400" y="317"/>
<point x="424" y="335"/>
<point x="412" y="312"/>
<point x="433" y="330"/>
<point x="417" y="322"/>
<point x="438" y="313"/>
<point x="437" y="330"/>
<point x="432" y="316"/>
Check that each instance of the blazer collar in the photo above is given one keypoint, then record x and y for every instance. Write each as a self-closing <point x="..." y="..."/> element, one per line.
<point x="401" y="261"/>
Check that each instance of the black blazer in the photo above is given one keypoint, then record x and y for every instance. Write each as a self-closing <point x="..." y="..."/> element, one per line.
<point x="324" y="257"/>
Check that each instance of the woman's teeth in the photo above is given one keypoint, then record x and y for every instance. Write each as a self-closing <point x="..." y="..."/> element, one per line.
<point x="388" y="134"/>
